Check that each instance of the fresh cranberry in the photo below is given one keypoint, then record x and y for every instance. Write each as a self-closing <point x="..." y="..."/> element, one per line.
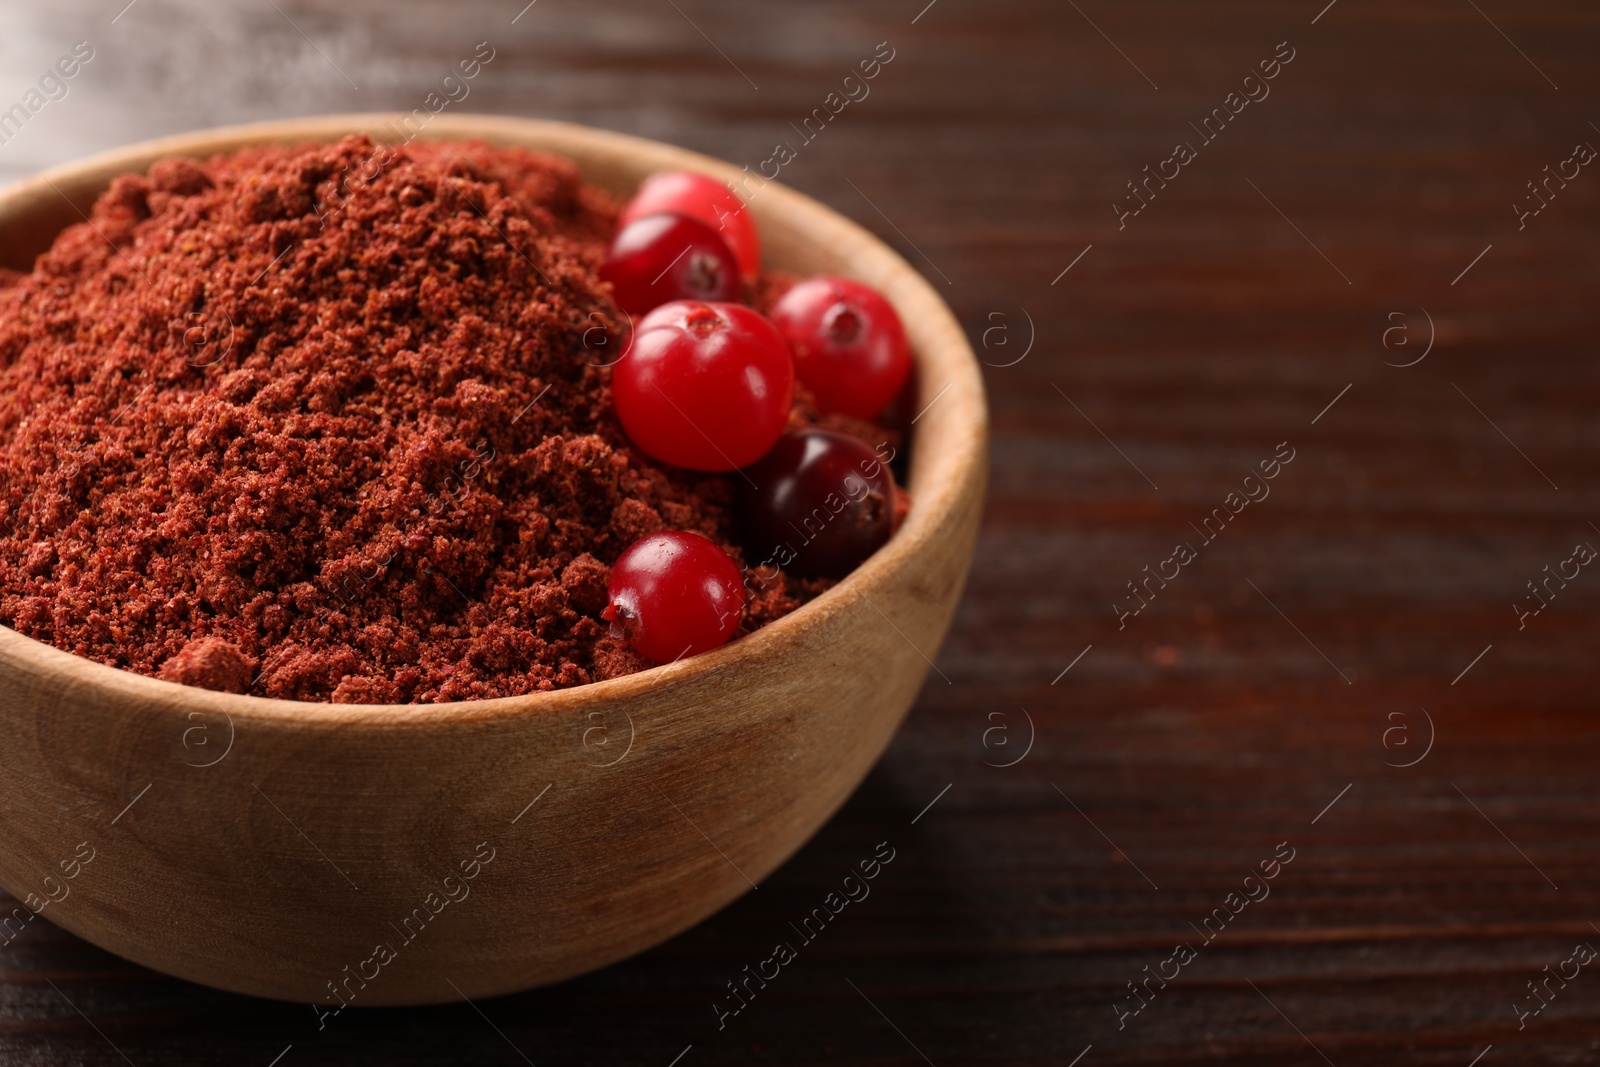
<point x="673" y="595"/>
<point x="817" y="505"/>
<point x="849" y="347"/>
<point x="669" y="257"/>
<point x="700" y="197"/>
<point x="704" y="386"/>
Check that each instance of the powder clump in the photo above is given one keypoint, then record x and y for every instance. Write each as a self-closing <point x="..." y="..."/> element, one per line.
<point x="210" y="663"/>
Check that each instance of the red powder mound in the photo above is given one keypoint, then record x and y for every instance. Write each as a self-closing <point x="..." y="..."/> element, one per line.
<point x="335" y="415"/>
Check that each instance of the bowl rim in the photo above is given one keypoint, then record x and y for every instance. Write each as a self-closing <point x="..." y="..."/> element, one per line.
<point x="965" y="414"/>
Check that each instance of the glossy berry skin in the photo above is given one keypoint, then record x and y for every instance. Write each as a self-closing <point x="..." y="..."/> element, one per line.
<point x="669" y="257"/>
<point x="822" y="502"/>
<point x="673" y="595"/>
<point x="848" y="344"/>
<point x="704" y="386"/>
<point x="683" y="192"/>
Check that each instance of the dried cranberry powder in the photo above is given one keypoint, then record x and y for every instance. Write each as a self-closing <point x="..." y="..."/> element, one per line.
<point x="339" y="414"/>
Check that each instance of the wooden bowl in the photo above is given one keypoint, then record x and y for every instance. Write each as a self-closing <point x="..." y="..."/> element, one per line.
<point x="416" y="854"/>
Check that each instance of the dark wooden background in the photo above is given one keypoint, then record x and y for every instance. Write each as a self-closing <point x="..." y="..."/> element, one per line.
<point x="1287" y="667"/>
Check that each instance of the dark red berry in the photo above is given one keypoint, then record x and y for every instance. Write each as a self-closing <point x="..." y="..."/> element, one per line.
<point x="817" y="505"/>
<point x="700" y="197"/>
<point x="673" y="595"/>
<point x="704" y="386"/>
<point x="848" y="344"/>
<point x="669" y="257"/>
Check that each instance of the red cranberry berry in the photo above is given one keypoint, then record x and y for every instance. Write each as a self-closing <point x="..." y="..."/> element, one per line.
<point x="704" y="386"/>
<point x="683" y="192"/>
<point x="669" y="257"/>
<point x="848" y="344"/>
<point x="673" y="595"/>
<point x="822" y="502"/>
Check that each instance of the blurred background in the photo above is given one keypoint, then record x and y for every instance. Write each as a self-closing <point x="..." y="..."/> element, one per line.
<point x="1377" y="257"/>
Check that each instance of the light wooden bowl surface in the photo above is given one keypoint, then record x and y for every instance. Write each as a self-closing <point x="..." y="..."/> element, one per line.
<point x="271" y="847"/>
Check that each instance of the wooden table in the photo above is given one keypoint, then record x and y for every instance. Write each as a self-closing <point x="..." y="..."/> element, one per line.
<point x="1338" y="674"/>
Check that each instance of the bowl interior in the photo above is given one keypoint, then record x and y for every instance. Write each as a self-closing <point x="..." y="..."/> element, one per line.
<point x="798" y="235"/>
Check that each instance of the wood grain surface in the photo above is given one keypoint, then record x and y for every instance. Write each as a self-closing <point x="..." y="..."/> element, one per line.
<point x="1262" y="701"/>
